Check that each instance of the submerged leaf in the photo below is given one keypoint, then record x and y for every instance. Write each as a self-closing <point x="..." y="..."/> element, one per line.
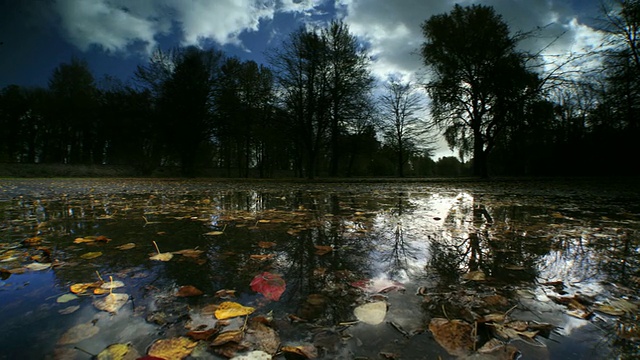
<point x="118" y="352"/>
<point x="454" y="336"/>
<point x="91" y="255"/>
<point x="270" y="285"/>
<point x="111" y="303"/>
<point x="38" y="266"/>
<point x="371" y="313"/>
<point x="66" y="298"/>
<point x="127" y="246"/>
<point x="188" y="290"/>
<point x="230" y="309"/>
<point x="78" y="333"/>
<point x="174" y="348"/>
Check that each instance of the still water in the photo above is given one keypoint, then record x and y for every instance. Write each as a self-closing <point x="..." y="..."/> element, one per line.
<point x="479" y="270"/>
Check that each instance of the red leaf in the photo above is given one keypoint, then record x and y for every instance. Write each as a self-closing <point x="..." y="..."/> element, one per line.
<point x="270" y="285"/>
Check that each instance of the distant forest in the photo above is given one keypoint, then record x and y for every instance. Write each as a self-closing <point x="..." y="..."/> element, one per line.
<point x="316" y="110"/>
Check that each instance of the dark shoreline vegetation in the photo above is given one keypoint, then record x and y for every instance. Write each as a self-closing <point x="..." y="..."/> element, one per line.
<point x="214" y="268"/>
<point x="316" y="109"/>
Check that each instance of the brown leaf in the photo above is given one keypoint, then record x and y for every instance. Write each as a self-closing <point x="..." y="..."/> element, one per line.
<point x="188" y="290"/>
<point x="266" y="244"/>
<point x="306" y="351"/>
<point x="32" y="240"/>
<point x="228" y="336"/>
<point x="173" y="348"/>
<point x="127" y="246"/>
<point x="202" y="335"/>
<point x="322" y="250"/>
<point x="262" y="257"/>
<point x="454" y="336"/>
<point x="263" y="337"/>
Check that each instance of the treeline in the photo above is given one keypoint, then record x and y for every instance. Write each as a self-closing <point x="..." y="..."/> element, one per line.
<point x="314" y="111"/>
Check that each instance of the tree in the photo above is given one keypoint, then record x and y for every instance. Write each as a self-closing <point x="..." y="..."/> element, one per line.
<point x="403" y="129"/>
<point x="480" y="81"/>
<point x="74" y="120"/>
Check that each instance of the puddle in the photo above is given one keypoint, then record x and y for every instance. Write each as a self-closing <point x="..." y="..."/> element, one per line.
<point x="538" y="269"/>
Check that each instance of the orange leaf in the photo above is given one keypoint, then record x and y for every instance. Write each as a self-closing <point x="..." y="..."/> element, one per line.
<point x="188" y="290"/>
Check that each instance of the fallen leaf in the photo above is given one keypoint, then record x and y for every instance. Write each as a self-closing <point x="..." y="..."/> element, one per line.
<point x="81" y="288"/>
<point x="262" y="257"/>
<point x="32" y="240"/>
<point x="173" y="348"/>
<point x="83" y="240"/>
<point x="270" y="285"/>
<point x="371" y="313"/>
<point x="127" y="246"/>
<point x="118" y="352"/>
<point x="188" y="290"/>
<point x="102" y="238"/>
<point x="38" y="266"/>
<point x="78" y="333"/>
<point x="68" y="310"/>
<point x="253" y="355"/>
<point x="111" y="303"/>
<point x="202" y="335"/>
<point x="263" y="337"/>
<point x="66" y="298"/>
<point x="162" y="257"/>
<point x="453" y="335"/>
<point x="230" y="309"/>
<point x="91" y="255"/>
<point x="189" y="252"/>
<point x="228" y="336"/>
<point x="266" y="244"/>
<point x="112" y="285"/>
<point x="306" y="351"/>
<point x="214" y="233"/>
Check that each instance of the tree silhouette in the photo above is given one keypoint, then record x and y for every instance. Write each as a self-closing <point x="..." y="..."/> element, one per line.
<point x="479" y="80"/>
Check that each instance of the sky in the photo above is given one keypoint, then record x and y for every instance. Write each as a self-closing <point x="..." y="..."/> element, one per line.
<point x="114" y="36"/>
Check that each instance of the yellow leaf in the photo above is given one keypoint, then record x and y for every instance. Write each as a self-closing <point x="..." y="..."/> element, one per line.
<point x="127" y="246"/>
<point x="230" y="309"/>
<point x="174" y="348"/>
<point x="91" y="255"/>
<point x="82" y="240"/>
<point x="214" y="233"/>
<point x="162" y="257"/>
<point x="81" y="288"/>
<point x="118" y="352"/>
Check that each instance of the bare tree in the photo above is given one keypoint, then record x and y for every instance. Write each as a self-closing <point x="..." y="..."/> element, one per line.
<point x="403" y="128"/>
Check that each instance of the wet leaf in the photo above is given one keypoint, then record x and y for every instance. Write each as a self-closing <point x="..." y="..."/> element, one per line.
<point x="66" y="298"/>
<point x="162" y="257"/>
<point x="102" y="238"/>
<point x="112" y="285"/>
<point x="188" y="291"/>
<point x="91" y="255"/>
<point x="253" y="355"/>
<point x="68" y="310"/>
<point x="118" y="352"/>
<point x="127" y="246"/>
<point x="306" y="351"/>
<point x="371" y="313"/>
<point x="214" y="233"/>
<point x="270" y="285"/>
<point x="78" y="333"/>
<point x="262" y="257"/>
<point x="228" y="336"/>
<point x="111" y="303"/>
<point x="32" y="240"/>
<point x="454" y="336"/>
<point x="229" y="309"/>
<point x="83" y="240"/>
<point x="266" y="244"/>
<point x="174" y="348"/>
<point x="263" y="337"/>
<point x="82" y="288"/>
<point x="202" y="335"/>
<point x="38" y="266"/>
<point x="193" y="253"/>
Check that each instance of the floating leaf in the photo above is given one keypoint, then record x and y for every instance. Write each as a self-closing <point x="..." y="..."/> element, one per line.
<point x="91" y="255"/>
<point x="230" y="309"/>
<point x="162" y="257"/>
<point x="174" y="348"/>
<point x="188" y="290"/>
<point x="454" y="336"/>
<point x="111" y="303"/>
<point x="112" y="285"/>
<point x="118" y="352"/>
<point x="262" y="257"/>
<point x="32" y="240"/>
<point x="83" y="240"/>
<point x="189" y="252"/>
<point x="228" y="336"/>
<point x="127" y="246"/>
<point x="371" y="313"/>
<point x="202" y="335"/>
<point x="306" y="351"/>
<point x="38" y="266"/>
<point x="66" y="298"/>
<point x="270" y="285"/>
<point x="81" y="288"/>
<point x="102" y="238"/>
<point x="78" y="333"/>
<point x="68" y="310"/>
<point x="214" y="233"/>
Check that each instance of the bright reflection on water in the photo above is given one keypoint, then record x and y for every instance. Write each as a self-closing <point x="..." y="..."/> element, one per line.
<point x="533" y="242"/>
